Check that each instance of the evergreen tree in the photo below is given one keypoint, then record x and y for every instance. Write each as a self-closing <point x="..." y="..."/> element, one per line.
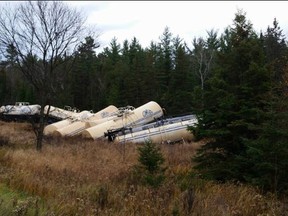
<point x="135" y="79"/>
<point x="83" y="81"/>
<point x="165" y="51"/>
<point x="123" y="69"/>
<point x="113" y="73"/>
<point x="268" y="154"/>
<point x="234" y="104"/>
<point x="150" y="170"/>
<point x="275" y="49"/>
<point x="179" y="100"/>
<point x="153" y="65"/>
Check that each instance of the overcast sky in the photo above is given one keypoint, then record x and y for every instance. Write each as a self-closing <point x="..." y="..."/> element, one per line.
<point x="146" y="20"/>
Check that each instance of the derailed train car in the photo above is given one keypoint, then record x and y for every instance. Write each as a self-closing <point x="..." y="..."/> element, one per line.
<point x="94" y="126"/>
<point x="77" y="123"/>
<point x="144" y="114"/>
<point x="56" y="114"/>
<point x="127" y="124"/>
<point x="168" y="130"/>
<point x="21" y="111"/>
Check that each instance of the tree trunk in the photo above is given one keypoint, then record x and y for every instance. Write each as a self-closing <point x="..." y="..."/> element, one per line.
<point x="42" y="121"/>
<point x="40" y="131"/>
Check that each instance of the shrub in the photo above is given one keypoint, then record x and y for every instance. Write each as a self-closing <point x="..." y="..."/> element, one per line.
<point x="149" y="169"/>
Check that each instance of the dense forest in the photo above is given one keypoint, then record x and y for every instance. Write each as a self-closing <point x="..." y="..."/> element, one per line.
<point x="122" y="75"/>
<point x="235" y="82"/>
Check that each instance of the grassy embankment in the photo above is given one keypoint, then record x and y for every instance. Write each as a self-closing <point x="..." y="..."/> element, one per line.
<point x="76" y="177"/>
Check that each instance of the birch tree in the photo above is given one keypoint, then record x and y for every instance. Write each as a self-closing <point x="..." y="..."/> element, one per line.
<point x="203" y="54"/>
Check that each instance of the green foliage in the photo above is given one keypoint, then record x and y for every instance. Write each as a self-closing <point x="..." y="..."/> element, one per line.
<point x="246" y="136"/>
<point x="268" y="154"/>
<point x="150" y="170"/>
<point x="123" y="74"/>
<point x="18" y="203"/>
<point x="83" y="72"/>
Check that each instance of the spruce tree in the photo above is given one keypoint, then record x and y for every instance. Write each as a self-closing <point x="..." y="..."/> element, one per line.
<point x="83" y="79"/>
<point x="180" y="85"/>
<point x="234" y="104"/>
<point x="268" y="154"/>
<point x="150" y="170"/>
<point x="111" y="68"/>
<point x="165" y="65"/>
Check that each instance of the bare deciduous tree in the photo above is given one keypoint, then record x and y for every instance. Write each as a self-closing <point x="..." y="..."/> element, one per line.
<point x="203" y="54"/>
<point x="42" y="33"/>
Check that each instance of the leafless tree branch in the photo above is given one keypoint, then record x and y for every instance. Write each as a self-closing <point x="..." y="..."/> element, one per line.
<point x="41" y="32"/>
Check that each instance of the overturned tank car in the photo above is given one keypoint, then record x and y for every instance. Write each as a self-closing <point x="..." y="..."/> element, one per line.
<point x="144" y="114"/>
<point x="77" y="122"/>
<point x="21" y="111"/>
<point x="169" y="130"/>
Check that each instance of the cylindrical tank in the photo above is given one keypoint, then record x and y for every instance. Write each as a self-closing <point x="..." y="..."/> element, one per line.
<point x="2" y="109"/>
<point x="80" y="124"/>
<point x="99" y="130"/>
<point x="49" y="129"/>
<point x="167" y="133"/>
<point x="71" y="129"/>
<point x="22" y="109"/>
<point x="141" y="115"/>
<point x="7" y="108"/>
<point x="104" y="113"/>
<point x="59" y="113"/>
<point x="91" y="123"/>
<point x="30" y="109"/>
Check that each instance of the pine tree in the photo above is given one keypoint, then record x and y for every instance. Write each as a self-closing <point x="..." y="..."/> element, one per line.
<point x="154" y="61"/>
<point x="83" y="75"/>
<point x="268" y="154"/>
<point x="234" y="104"/>
<point x="180" y="85"/>
<point x="150" y="169"/>
<point x="164" y="65"/>
<point x="111" y="69"/>
<point x="275" y="49"/>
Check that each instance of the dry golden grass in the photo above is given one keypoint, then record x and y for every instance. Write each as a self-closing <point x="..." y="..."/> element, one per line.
<point x="17" y="134"/>
<point x="80" y="177"/>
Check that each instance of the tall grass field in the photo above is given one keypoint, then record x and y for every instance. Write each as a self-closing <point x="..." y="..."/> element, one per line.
<point x="72" y="176"/>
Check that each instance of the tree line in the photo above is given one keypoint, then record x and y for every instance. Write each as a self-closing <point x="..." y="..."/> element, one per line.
<point x="122" y="74"/>
<point x="168" y="72"/>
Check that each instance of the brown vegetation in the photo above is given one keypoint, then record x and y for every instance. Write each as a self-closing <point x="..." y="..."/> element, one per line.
<point x="76" y="177"/>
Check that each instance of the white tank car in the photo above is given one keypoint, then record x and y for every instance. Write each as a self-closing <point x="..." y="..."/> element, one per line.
<point x="75" y="118"/>
<point x="139" y="116"/>
<point x="49" y="129"/>
<point x="21" y="108"/>
<point x="81" y="123"/>
<point x="59" y="113"/>
<point x="170" y="131"/>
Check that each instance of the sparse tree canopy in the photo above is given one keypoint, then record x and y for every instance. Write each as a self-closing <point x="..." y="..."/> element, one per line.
<point x="41" y="35"/>
<point x="46" y="30"/>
